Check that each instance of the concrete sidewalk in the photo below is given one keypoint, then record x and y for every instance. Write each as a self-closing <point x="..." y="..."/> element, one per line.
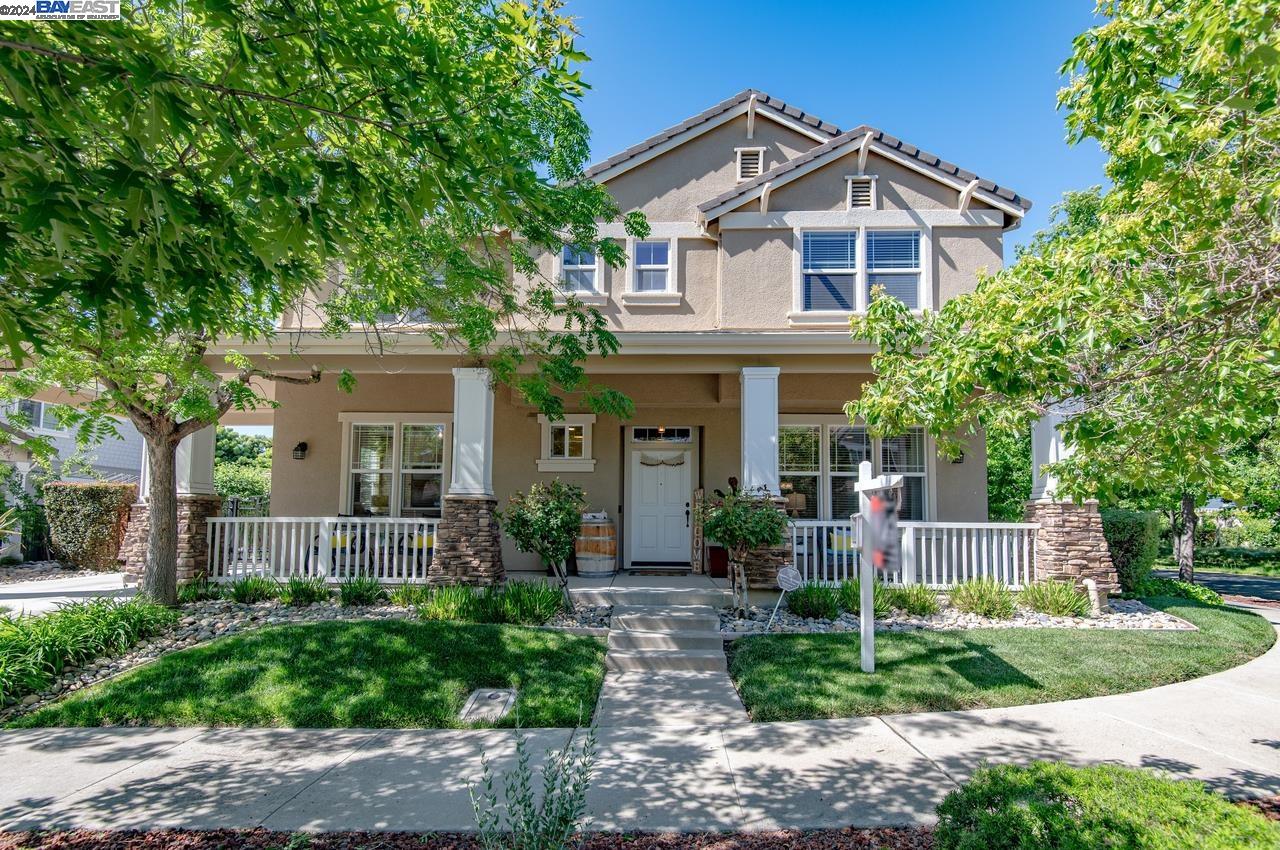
<point x="1224" y="729"/>
<point x="43" y="596"/>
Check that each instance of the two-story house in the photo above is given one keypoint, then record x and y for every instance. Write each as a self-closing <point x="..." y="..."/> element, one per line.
<point x="769" y="228"/>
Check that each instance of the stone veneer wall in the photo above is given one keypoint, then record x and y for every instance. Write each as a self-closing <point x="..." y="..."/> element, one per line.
<point x="762" y="566"/>
<point x="1070" y="544"/>
<point x="193" y="536"/>
<point x="468" y="548"/>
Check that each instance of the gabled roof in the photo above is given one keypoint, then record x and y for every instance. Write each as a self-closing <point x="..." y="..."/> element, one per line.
<point x="883" y="144"/>
<point x="765" y="105"/>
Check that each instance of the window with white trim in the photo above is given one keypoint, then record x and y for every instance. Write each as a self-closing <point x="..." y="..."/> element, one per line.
<point x="818" y="469"/>
<point x="750" y="163"/>
<point x="566" y="443"/>
<point x="395" y="468"/>
<point x="577" y="270"/>
<point x="830" y="269"/>
<point x="861" y="193"/>
<point x="40" y="415"/>
<point x="653" y="266"/>
<point x="893" y="261"/>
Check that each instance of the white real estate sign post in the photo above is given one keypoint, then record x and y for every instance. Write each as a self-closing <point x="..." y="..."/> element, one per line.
<point x="866" y="528"/>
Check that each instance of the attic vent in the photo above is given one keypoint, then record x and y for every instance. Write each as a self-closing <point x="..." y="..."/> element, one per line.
<point x="862" y="192"/>
<point x="750" y="163"/>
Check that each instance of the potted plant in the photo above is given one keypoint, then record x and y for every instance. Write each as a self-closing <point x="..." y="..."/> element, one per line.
<point x="545" y="522"/>
<point x="741" y="522"/>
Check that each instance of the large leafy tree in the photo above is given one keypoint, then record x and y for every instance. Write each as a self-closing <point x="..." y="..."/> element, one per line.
<point x="181" y="179"/>
<point x="1148" y="313"/>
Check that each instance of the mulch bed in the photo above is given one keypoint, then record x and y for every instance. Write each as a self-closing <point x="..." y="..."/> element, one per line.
<point x="1268" y="806"/>
<point x="260" y="839"/>
<point x="1255" y="601"/>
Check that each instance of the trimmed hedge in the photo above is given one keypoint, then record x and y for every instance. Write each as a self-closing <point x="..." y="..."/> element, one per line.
<point x="1133" y="537"/>
<point x="87" y="522"/>
<point x="1047" y="804"/>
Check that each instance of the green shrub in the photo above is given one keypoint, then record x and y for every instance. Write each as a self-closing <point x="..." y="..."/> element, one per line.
<point x="87" y="522"/>
<point x="1056" y="598"/>
<point x="1133" y="538"/>
<point x="241" y="481"/>
<point x="455" y="602"/>
<point x="814" y="601"/>
<point x="361" y="590"/>
<point x="198" y="591"/>
<point x="1181" y="589"/>
<point x="33" y="650"/>
<point x="986" y="597"/>
<point x="251" y="589"/>
<point x="849" y="598"/>
<point x="523" y="603"/>
<point x="1249" y="531"/>
<point x="409" y="595"/>
<point x="300" y="590"/>
<point x="916" y="599"/>
<point x="1046" y="804"/>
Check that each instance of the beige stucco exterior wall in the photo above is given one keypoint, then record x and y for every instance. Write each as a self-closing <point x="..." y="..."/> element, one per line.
<point x="756" y="270"/>
<point x="670" y="187"/>
<point x="898" y="188"/>
<point x="709" y="401"/>
<point x="958" y="254"/>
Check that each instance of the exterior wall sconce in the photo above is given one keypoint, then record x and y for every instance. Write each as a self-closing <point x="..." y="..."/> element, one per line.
<point x="300" y="451"/>
<point x="959" y="458"/>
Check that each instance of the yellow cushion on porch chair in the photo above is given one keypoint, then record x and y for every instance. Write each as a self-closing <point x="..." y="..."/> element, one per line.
<point x="417" y="542"/>
<point x="339" y="541"/>
<point x="838" y="542"/>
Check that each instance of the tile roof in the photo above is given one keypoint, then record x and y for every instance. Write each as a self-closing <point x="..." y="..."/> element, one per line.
<point x="930" y="161"/>
<point x="764" y="102"/>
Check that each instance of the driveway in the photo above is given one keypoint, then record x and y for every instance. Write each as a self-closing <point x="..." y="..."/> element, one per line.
<point x="41" y="597"/>
<point x="1223" y="729"/>
<point x="1231" y="584"/>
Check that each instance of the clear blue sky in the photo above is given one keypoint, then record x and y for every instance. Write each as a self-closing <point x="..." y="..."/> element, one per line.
<point x="974" y="83"/>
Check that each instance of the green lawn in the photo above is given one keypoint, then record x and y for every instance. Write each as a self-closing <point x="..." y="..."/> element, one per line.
<point x="1254" y="562"/>
<point x="395" y="674"/>
<point x="794" y="677"/>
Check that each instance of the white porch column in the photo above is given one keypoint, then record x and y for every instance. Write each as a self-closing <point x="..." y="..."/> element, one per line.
<point x="472" y="464"/>
<point x="193" y="466"/>
<point x="1047" y="446"/>
<point x="760" y="428"/>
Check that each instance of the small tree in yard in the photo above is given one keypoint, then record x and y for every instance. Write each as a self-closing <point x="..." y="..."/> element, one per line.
<point x="741" y="522"/>
<point x="173" y="184"/>
<point x="545" y="522"/>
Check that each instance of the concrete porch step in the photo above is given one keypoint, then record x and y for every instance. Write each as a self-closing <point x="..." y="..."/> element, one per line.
<point x="674" y="618"/>
<point x="652" y="596"/>
<point x="665" y="660"/>
<point x="627" y="639"/>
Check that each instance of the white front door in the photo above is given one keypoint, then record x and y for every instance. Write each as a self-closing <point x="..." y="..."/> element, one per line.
<point x="661" y="499"/>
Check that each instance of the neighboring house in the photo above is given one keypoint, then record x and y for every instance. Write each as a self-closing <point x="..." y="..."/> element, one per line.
<point x="769" y="227"/>
<point x="114" y="459"/>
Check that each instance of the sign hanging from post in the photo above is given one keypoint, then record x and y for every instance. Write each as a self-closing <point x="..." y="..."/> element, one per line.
<point x="877" y="522"/>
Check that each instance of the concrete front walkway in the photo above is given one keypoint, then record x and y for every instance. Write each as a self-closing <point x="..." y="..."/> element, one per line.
<point x="1224" y="729"/>
<point x="41" y="597"/>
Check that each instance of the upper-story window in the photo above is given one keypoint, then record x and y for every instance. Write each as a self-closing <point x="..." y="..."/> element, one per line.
<point x="833" y="262"/>
<point x="830" y="269"/>
<point x="750" y="163"/>
<point x="893" y="261"/>
<point x="578" y="270"/>
<point x="40" y="415"/>
<point x="653" y="266"/>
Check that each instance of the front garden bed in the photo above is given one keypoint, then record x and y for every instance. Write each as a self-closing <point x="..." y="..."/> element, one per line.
<point x="371" y="673"/>
<point x="808" y="676"/>
<point x="40" y="571"/>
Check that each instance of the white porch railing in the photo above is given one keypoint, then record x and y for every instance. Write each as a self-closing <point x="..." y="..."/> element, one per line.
<point x="937" y="554"/>
<point x="392" y="550"/>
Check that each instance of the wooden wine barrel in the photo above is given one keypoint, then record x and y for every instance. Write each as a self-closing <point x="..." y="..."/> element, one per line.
<point x="597" y="548"/>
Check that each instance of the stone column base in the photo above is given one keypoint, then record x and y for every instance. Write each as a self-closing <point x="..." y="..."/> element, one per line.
<point x="193" y="536"/>
<point x="468" y="548"/>
<point x="1070" y="545"/>
<point x="762" y="566"/>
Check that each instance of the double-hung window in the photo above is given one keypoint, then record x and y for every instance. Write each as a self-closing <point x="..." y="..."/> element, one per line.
<point x="577" y="270"/>
<point x="893" y="261"/>
<point x="830" y="259"/>
<point x="653" y="266"/>
<point x="818" y="468"/>
<point x="395" y="468"/>
<point x="40" y="416"/>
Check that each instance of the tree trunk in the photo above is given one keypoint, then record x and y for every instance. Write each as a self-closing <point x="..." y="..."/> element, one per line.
<point x="160" y="575"/>
<point x="1184" y="541"/>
